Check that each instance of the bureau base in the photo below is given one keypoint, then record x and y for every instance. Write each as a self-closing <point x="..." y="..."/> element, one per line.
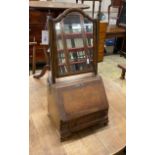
<point x="74" y="106"/>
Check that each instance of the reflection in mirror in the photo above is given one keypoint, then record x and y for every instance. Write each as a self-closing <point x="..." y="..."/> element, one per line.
<point x="76" y="28"/>
<point x="57" y="28"/>
<point x="62" y="70"/>
<point x="69" y="43"/>
<point x="61" y="58"/>
<point x="88" y="25"/>
<point x="89" y="41"/>
<point x="90" y="53"/>
<point x="60" y="50"/>
<point x="78" y="56"/>
<point x="59" y="43"/>
<point x="72" y="23"/>
<point x="74" y="40"/>
<point x="77" y="67"/>
<point x="78" y="42"/>
<point x="88" y="28"/>
<point x="58" y="36"/>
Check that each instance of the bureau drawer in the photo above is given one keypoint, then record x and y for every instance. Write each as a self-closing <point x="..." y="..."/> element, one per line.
<point x="88" y="120"/>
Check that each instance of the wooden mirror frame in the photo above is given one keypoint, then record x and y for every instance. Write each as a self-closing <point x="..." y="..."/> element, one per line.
<point x="53" y="47"/>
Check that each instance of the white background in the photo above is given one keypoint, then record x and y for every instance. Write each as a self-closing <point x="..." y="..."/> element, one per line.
<point x="14" y="78"/>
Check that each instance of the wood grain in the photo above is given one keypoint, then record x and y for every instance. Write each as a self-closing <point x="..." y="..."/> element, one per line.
<point x="44" y="139"/>
<point x="102" y="37"/>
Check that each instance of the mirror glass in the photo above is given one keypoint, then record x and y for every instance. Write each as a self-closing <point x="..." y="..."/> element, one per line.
<point x="74" y="37"/>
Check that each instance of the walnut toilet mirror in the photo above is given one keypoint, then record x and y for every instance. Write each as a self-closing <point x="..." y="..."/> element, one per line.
<point x="76" y="96"/>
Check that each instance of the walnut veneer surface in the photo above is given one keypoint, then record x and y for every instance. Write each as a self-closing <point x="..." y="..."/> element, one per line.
<point x="78" y="104"/>
<point x="93" y="141"/>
